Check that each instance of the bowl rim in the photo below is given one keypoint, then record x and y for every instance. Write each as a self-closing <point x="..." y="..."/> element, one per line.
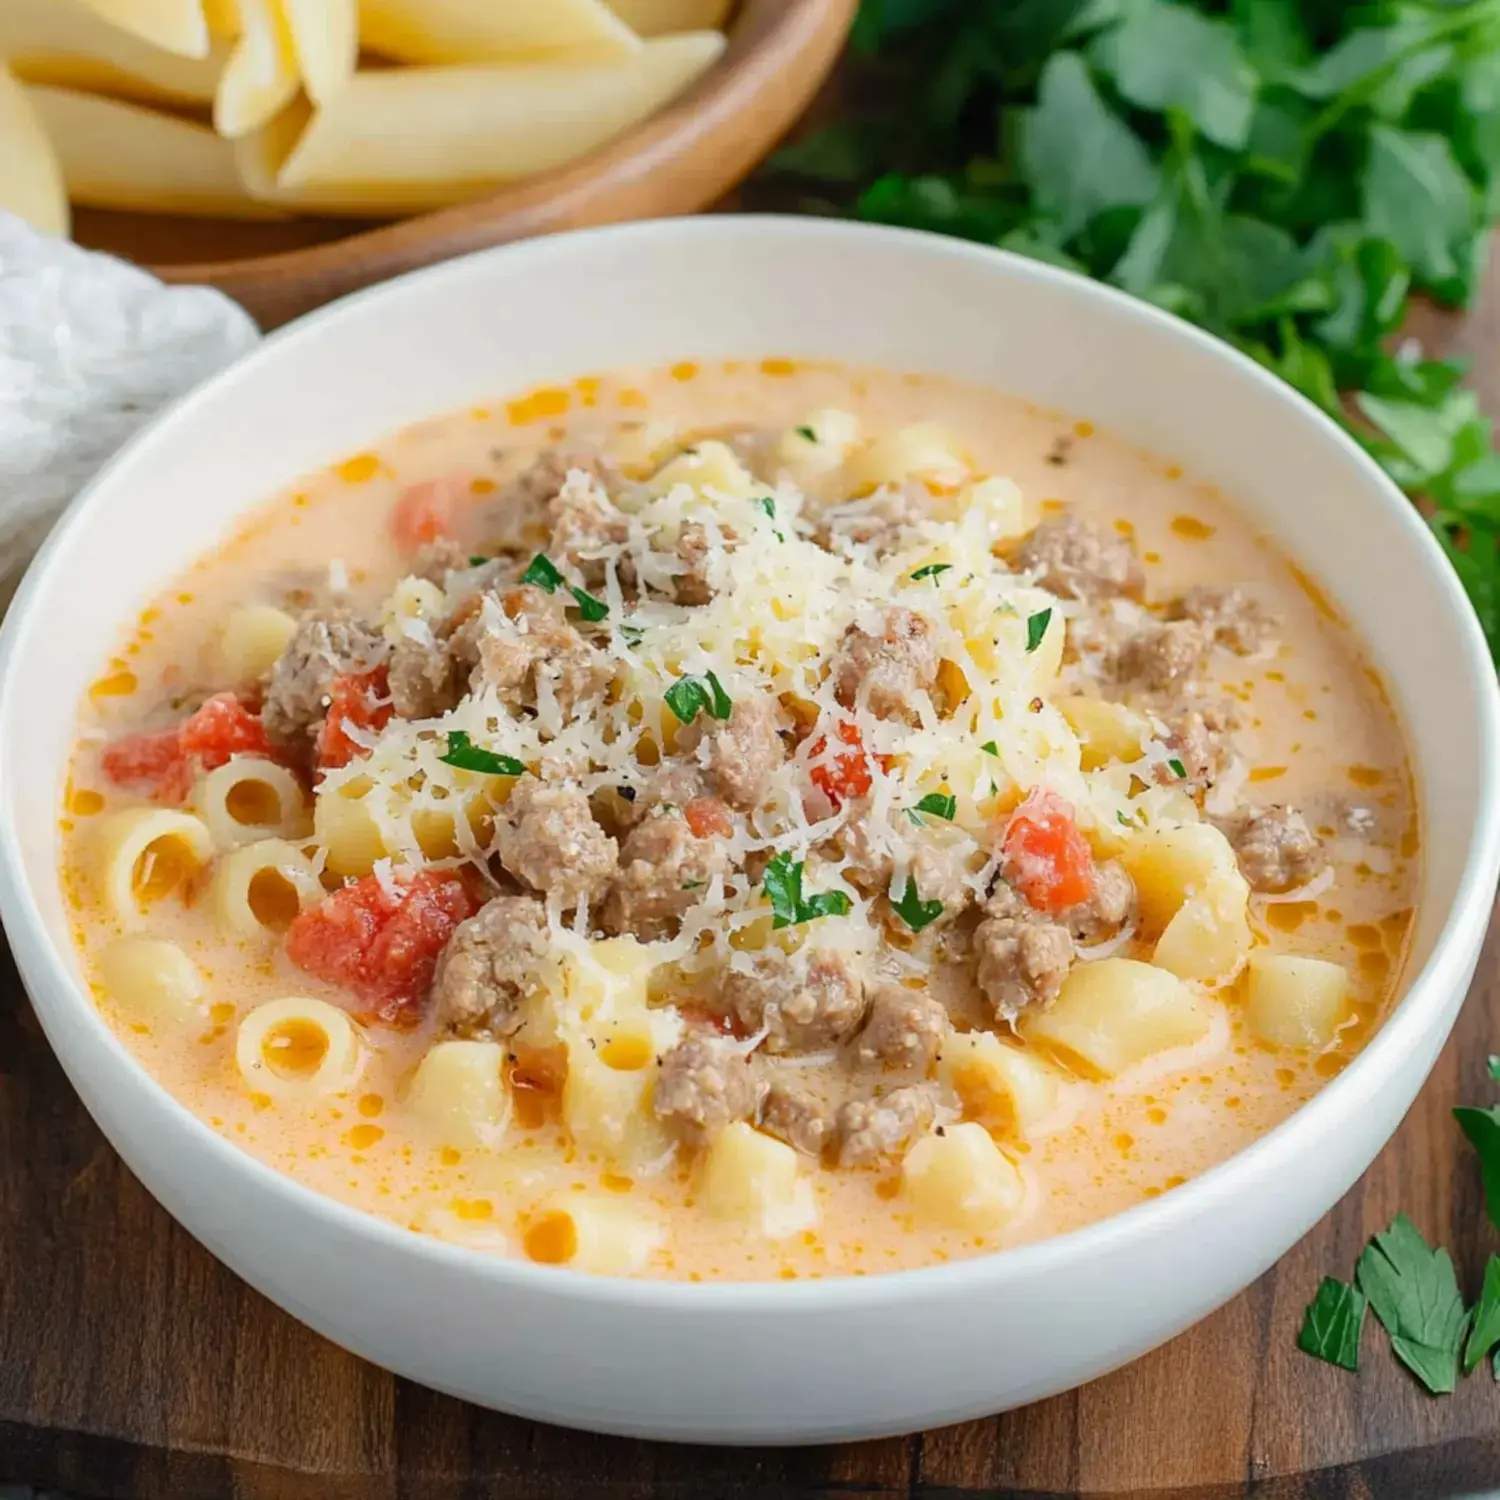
<point x="66" y="1002"/>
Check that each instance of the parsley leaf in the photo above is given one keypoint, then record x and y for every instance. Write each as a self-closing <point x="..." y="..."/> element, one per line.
<point x="1482" y="1126"/>
<point x="806" y="432"/>
<point x="1494" y="1068"/>
<point x="688" y="695"/>
<point x="1036" y="628"/>
<point x="1485" y="1334"/>
<point x="1178" y="769"/>
<point x="912" y="910"/>
<point x="1332" y="1324"/>
<point x="990" y="747"/>
<point x="939" y="804"/>
<point x="462" y="752"/>
<point x="543" y="573"/>
<point x="932" y="570"/>
<point x="1414" y="1293"/>
<point x="782" y="884"/>
<point x="478" y="562"/>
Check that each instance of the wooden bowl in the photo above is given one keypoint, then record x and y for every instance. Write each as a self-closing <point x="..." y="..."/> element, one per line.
<point x="679" y="160"/>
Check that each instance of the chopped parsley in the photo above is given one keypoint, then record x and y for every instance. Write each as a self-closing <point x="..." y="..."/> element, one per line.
<point x="467" y="756"/>
<point x="543" y="573"/>
<point x="990" y="748"/>
<point x="693" y="885"/>
<point x="932" y="570"/>
<point x="1036" y="628"/>
<point x="768" y="504"/>
<point x="1332" y="1324"/>
<point x="806" y="432"/>
<point x="1178" y="769"/>
<point x="782" y="884"/>
<point x="632" y="634"/>
<point x="478" y="562"/>
<point x="688" y="695"/>
<point x="1413" y="1291"/>
<point x="938" y="804"/>
<point x="912" y="910"/>
<point x="1121" y="819"/>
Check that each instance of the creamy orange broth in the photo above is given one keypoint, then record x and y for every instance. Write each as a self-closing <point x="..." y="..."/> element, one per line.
<point x="1316" y="720"/>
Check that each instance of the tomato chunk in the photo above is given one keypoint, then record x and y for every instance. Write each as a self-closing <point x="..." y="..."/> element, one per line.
<point x="708" y="818"/>
<point x="845" y="773"/>
<point x="424" y="512"/>
<point x="163" y="765"/>
<point x="1046" y="858"/>
<point x="358" y="702"/>
<point x="382" y="944"/>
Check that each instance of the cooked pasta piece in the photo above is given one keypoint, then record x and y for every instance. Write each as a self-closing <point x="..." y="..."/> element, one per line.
<point x="249" y="798"/>
<point x="298" y="1049"/>
<point x="252" y="640"/>
<point x="923" y="451"/>
<point x="962" y="1179"/>
<point x="756" y="1180"/>
<point x="706" y="468"/>
<point x="413" y="599"/>
<point x="639" y="450"/>
<point x="459" y="1094"/>
<point x="1005" y="1088"/>
<point x="1171" y="863"/>
<point x="1106" y="731"/>
<point x="606" y="1101"/>
<point x="346" y="828"/>
<point x="146" y="854"/>
<point x="817" y="445"/>
<point x="1209" y="938"/>
<point x="153" y="982"/>
<point x="1292" y="1001"/>
<point x="1116" y="1012"/>
<point x="258" y="889"/>
<point x="590" y="1234"/>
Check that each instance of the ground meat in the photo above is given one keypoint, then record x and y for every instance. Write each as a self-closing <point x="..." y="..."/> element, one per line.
<point x="1233" y="618"/>
<point x="744" y="752"/>
<point x="704" y="1083"/>
<point x="674" y="784"/>
<point x="584" y="519"/>
<point x="1075" y="559"/>
<point x="1161" y="658"/>
<point x="692" y="585"/>
<point x="425" y="680"/>
<point x="434" y="561"/>
<point x="530" y="652"/>
<point x="806" y="1001"/>
<point x="798" y="1119"/>
<point x="877" y="521"/>
<point x="547" y="837"/>
<point x="665" y="868"/>
<point x="904" y="1030"/>
<point x="1200" y="740"/>
<point x="1022" y="958"/>
<point x="871" y="1129"/>
<point x="485" y="970"/>
<point x="939" y="868"/>
<point x="1277" y="850"/>
<point x="1107" y="910"/>
<point x="886" y="670"/>
<point x="325" y="647"/>
<point x="518" y="519"/>
<point x="938" y="859"/>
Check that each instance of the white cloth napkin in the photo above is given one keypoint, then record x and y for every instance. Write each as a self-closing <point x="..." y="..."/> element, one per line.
<point x="90" y="347"/>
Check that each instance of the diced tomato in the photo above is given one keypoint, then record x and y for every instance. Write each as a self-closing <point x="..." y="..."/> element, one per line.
<point x="846" y="773"/>
<point x="162" y="766"/>
<point x="357" y="700"/>
<point x="424" y="512"/>
<point x="382" y="945"/>
<point x="1046" y="858"/>
<point x="708" y="818"/>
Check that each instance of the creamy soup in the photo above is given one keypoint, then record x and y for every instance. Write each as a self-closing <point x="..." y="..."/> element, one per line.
<point x="742" y="821"/>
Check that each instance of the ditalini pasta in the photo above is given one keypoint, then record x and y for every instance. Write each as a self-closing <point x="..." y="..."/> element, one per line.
<point x="741" y="820"/>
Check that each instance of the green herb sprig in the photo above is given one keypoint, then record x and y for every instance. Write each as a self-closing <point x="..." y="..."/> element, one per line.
<point x="543" y="572"/>
<point x="690" y="695"/>
<point x="462" y="752"/>
<point x="1286" y="175"/>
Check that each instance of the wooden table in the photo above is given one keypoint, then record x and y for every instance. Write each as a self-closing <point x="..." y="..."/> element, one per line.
<point x="133" y="1365"/>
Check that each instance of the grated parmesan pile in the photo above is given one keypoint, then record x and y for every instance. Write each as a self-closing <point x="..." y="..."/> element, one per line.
<point x="781" y="603"/>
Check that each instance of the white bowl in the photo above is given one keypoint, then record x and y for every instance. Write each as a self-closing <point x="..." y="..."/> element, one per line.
<point x="784" y="1361"/>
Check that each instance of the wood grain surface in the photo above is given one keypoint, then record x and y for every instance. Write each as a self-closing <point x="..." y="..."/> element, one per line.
<point x="133" y="1365"/>
<point x="680" y="160"/>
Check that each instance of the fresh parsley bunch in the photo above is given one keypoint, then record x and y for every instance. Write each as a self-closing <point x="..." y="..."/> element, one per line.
<point x="1284" y="174"/>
